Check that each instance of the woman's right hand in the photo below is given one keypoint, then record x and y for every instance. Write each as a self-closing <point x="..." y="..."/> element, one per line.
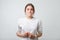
<point x="25" y="34"/>
<point x="22" y="35"/>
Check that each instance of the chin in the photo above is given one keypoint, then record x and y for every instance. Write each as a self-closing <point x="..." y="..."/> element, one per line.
<point x="29" y="15"/>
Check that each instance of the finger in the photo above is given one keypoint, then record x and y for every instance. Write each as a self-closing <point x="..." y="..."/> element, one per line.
<point x="30" y="36"/>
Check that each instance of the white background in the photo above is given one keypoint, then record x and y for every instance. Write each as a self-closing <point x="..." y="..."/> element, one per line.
<point x="46" y="10"/>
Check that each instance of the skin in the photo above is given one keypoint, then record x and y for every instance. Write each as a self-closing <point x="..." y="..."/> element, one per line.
<point x="29" y="14"/>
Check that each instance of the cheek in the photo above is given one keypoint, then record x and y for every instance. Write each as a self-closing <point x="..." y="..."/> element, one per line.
<point x="27" y="10"/>
<point x="32" y="11"/>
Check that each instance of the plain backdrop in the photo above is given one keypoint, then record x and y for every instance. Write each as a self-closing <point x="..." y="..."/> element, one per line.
<point x="46" y="10"/>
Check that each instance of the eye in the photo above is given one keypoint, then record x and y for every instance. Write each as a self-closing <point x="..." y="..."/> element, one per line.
<point x="27" y="9"/>
<point x="31" y="9"/>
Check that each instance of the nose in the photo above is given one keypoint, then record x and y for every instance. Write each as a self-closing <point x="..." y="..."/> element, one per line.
<point x="30" y="11"/>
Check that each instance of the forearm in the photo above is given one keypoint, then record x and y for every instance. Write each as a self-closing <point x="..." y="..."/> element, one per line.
<point x="39" y="35"/>
<point x="19" y="34"/>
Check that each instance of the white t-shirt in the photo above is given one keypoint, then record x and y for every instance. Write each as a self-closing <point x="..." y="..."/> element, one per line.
<point x="29" y="25"/>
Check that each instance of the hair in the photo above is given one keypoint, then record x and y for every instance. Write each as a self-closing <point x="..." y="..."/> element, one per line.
<point x="30" y="4"/>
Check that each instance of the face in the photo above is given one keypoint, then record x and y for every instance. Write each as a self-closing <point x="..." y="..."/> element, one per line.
<point x="29" y="11"/>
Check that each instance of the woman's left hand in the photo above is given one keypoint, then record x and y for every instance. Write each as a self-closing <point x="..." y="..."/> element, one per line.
<point x="30" y="35"/>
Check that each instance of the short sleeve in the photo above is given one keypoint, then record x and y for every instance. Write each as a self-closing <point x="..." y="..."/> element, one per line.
<point x="19" y="29"/>
<point x="39" y="28"/>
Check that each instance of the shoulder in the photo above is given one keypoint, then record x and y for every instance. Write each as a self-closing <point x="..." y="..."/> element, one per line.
<point x="37" y="19"/>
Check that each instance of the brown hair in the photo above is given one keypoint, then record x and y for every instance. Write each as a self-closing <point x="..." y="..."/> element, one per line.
<point x="30" y="4"/>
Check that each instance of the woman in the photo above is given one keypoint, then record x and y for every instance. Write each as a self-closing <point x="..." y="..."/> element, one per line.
<point x="29" y="28"/>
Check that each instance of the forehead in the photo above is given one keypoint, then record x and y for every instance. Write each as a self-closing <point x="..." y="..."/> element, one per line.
<point x="29" y="6"/>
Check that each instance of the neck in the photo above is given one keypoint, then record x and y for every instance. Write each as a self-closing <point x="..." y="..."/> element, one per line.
<point x="29" y="17"/>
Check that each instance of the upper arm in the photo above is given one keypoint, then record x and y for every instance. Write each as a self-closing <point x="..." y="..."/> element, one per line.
<point x="39" y="28"/>
<point x="19" y="27"/>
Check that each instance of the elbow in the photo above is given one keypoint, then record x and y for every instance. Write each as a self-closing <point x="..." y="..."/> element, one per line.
<point x="40" y="35"/>
<point x="17" y="34"/>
